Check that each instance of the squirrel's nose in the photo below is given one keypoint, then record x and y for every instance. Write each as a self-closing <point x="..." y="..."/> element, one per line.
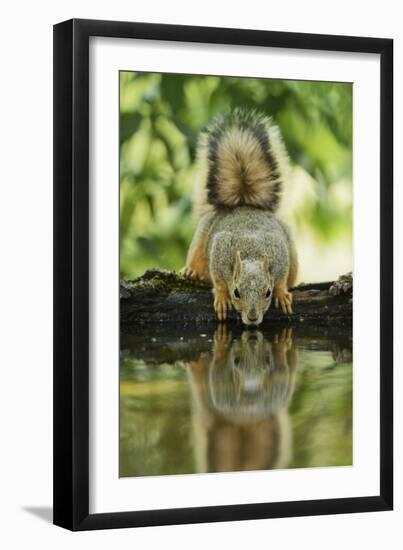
<point x="252" y="318"/>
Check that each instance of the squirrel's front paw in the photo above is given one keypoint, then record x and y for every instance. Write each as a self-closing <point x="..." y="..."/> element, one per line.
<point x="190" y="273"/>
<point x="222" y="304"/>
<point x="283" y="299"/>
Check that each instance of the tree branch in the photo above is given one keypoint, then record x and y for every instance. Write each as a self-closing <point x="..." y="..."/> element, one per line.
<point x="161" y="296"/>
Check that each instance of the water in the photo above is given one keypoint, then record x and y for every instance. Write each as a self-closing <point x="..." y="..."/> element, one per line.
<point x="232" y="400"/>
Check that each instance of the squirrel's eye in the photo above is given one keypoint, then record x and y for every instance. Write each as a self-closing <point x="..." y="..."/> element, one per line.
<point x="268" y="293"/>
<point x="236" y="293"/>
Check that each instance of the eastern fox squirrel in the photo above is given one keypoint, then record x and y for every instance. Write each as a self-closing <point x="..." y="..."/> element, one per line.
<point x="239" y="246"/>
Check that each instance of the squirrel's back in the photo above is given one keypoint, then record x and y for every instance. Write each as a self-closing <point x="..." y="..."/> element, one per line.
<point x="242" y="162"/>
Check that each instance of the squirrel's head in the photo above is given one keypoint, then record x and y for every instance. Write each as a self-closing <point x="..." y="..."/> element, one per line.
<point x="252" y="287"/>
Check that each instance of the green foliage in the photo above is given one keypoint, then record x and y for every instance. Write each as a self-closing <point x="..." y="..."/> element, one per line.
<point x="160" y="118"/>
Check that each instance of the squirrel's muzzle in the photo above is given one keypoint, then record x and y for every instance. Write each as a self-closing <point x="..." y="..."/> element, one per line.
<point x="252" y="317"/>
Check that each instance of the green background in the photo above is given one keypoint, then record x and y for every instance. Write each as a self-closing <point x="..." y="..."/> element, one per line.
<point x="161" y="116"/>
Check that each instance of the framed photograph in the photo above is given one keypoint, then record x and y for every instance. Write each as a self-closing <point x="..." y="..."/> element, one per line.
<point x="218" y="193"/>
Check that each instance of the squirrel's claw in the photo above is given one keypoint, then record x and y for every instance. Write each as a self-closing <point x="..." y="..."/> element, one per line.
<point x="283" y="299"/>
<point x="187" y="272"/>
<point x="221" y="306"/>
<point x="190" y="273"/>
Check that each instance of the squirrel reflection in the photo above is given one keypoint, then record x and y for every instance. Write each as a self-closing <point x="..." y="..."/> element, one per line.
<point x="241" y="392"/>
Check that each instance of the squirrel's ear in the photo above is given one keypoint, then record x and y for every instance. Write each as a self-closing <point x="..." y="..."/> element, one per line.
<point x="265" y="262"/>
<point x="237" y="267"/>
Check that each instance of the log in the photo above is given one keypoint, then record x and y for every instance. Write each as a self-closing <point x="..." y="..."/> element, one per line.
<point x="161" y="297"/>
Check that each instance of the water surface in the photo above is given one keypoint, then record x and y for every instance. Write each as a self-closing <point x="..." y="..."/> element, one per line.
<point x="232" y="400"/>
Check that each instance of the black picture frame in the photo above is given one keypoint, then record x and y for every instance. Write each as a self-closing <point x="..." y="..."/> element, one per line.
<point x="71" y="274"/>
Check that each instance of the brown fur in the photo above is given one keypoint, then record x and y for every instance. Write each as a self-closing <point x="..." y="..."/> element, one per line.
<point x="242" y="164"/>
<point x="197" y="264"/>
<point x="242" y="170"/>
<point x="293" y="256"/>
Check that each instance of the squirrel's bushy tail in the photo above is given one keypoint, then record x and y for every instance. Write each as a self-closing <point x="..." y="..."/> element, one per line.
<point x="243" y="162"/>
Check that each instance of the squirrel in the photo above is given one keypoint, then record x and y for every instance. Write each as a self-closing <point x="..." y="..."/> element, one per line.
<point x="239" y="245"/>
